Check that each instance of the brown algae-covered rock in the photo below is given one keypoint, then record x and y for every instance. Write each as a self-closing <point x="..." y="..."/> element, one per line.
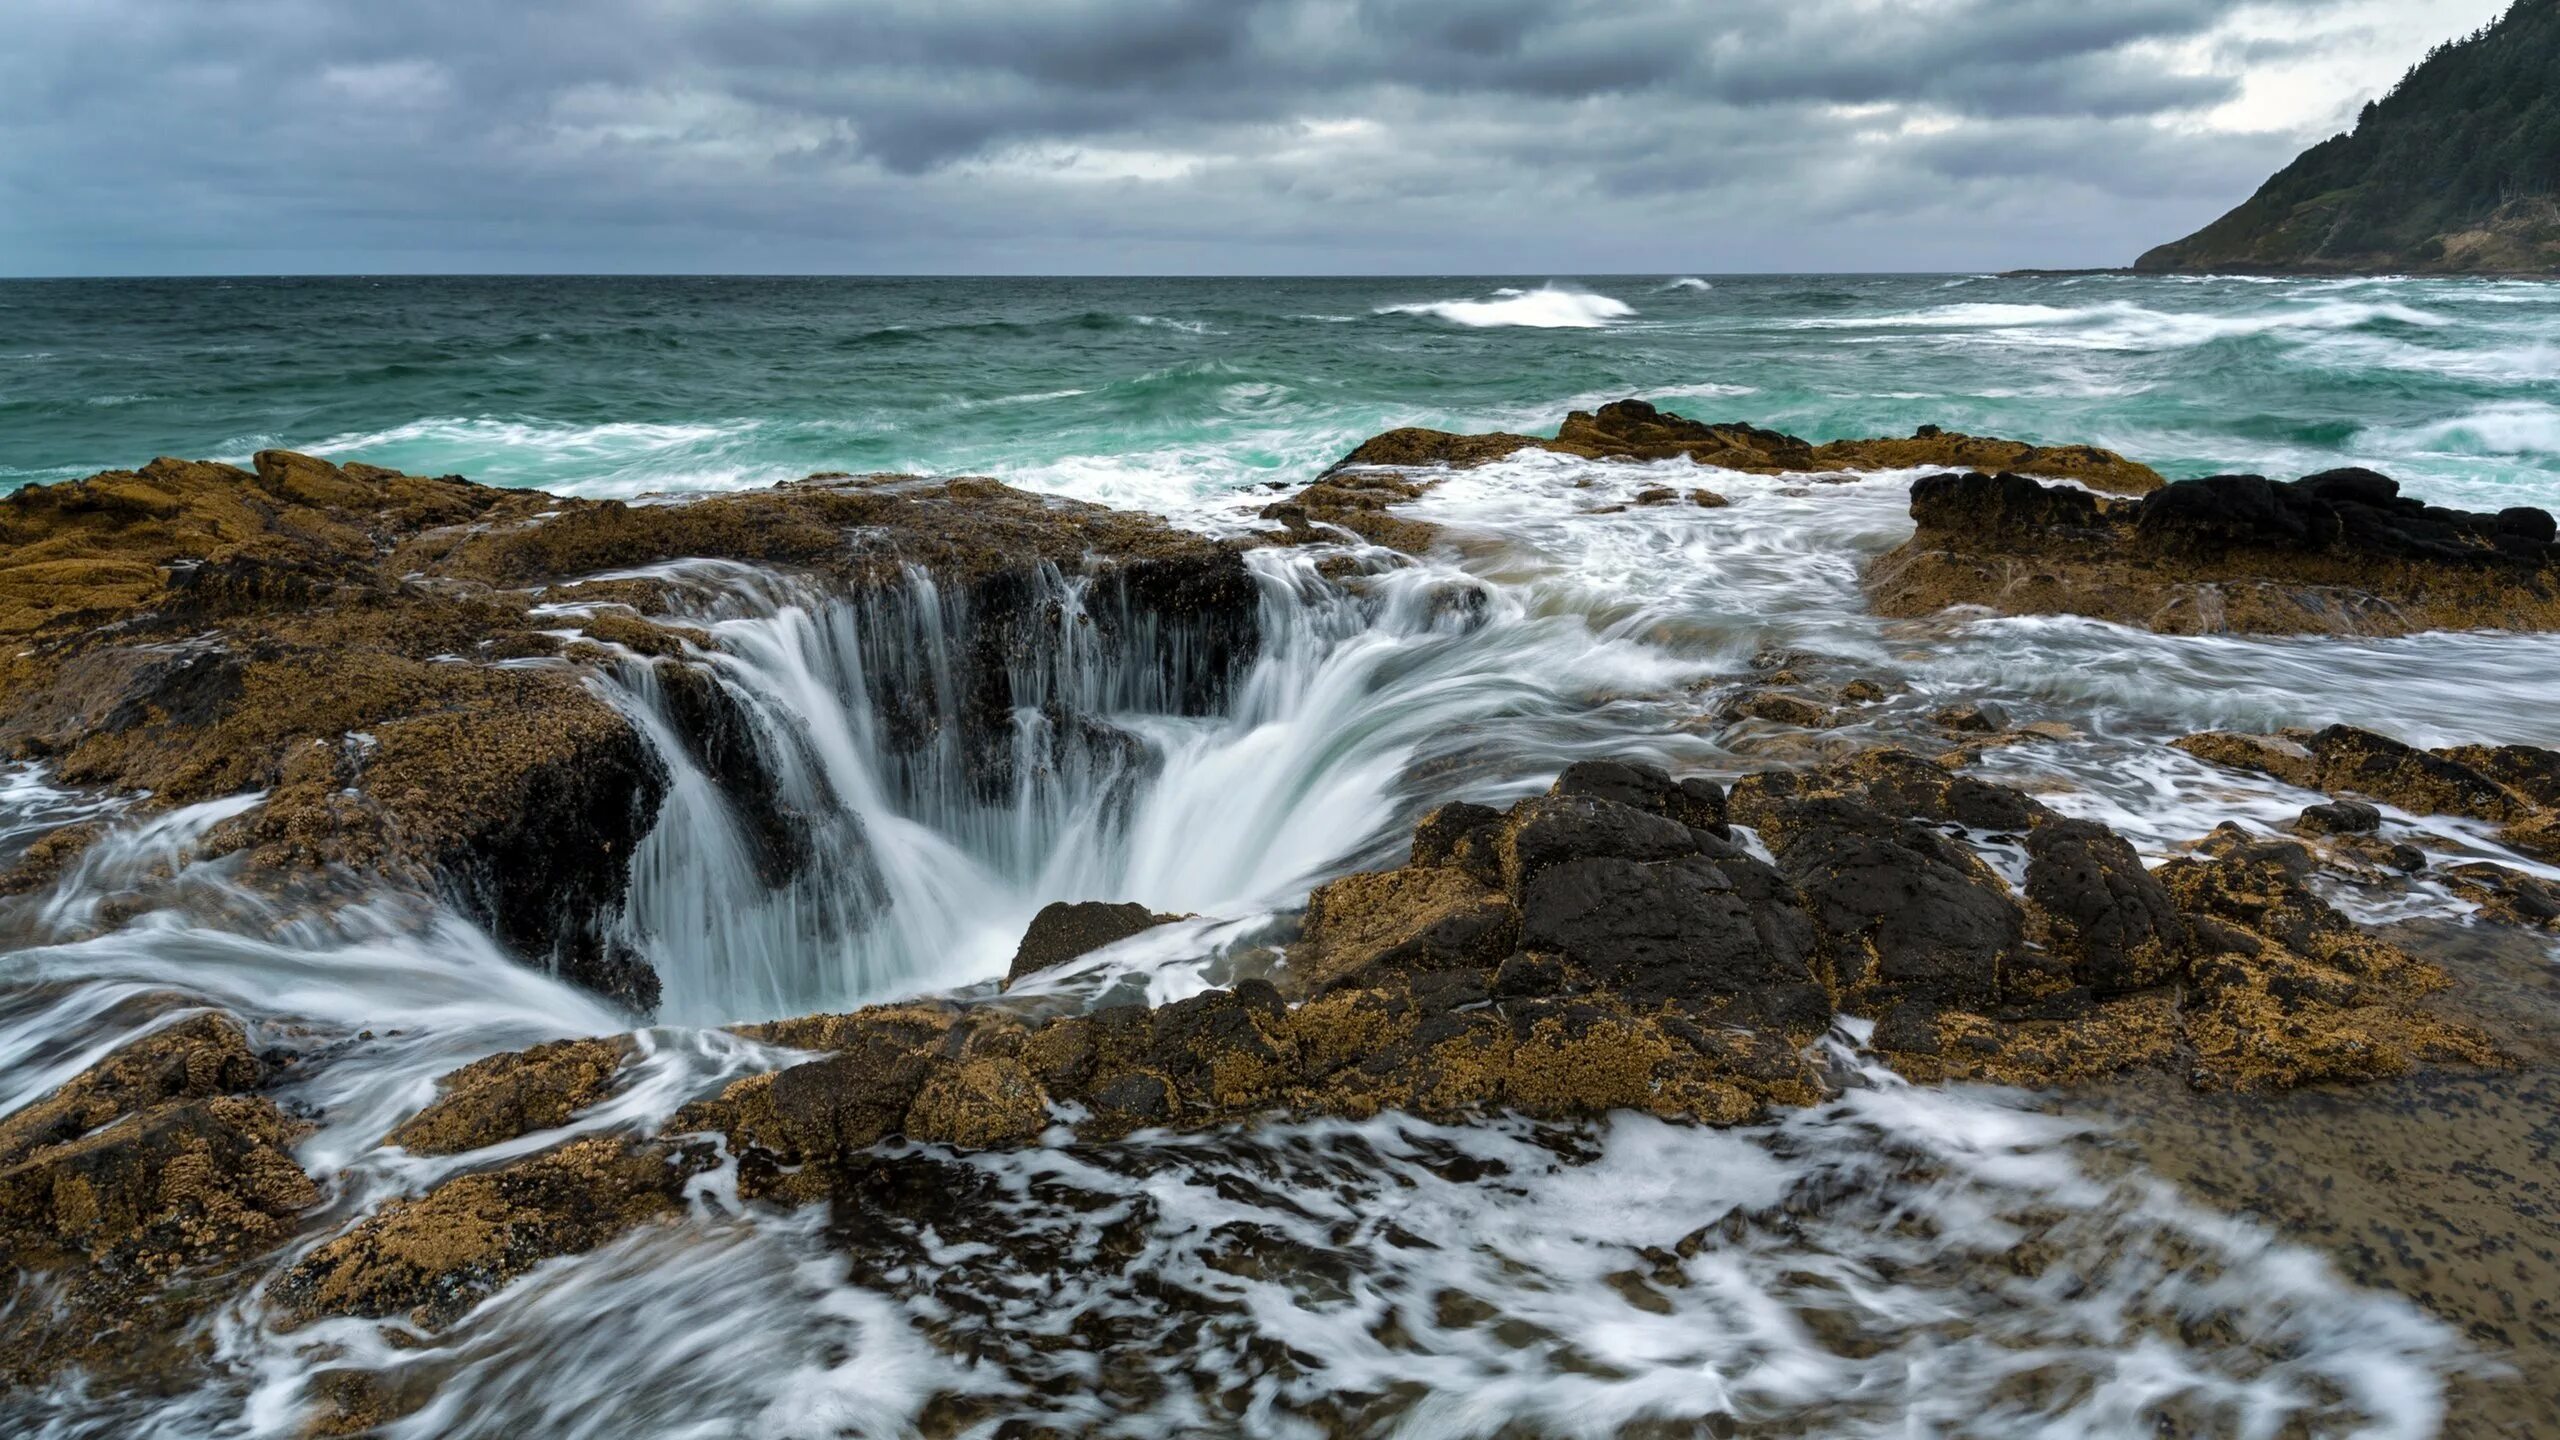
<point x="127" y="1193"/>
<point x="2511" y="786"/>
<point x="503" y="1097"/>
<point x="432" y="1257"/>
<point x="1573" y="954"/>
<point x="363" y="646"/>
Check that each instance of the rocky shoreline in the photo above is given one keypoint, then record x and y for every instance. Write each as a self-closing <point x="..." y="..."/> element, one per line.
<point x="2341" y="552"/>
<point x="404" y="669"/>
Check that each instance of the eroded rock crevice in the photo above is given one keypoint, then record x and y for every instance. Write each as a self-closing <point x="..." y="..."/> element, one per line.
<point x="416" y="671"/>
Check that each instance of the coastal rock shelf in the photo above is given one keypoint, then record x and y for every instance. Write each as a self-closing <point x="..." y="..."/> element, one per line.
<point x="1612" y="944"/>
<point x="312" y="690"/>
<point x="2341" y="552"/>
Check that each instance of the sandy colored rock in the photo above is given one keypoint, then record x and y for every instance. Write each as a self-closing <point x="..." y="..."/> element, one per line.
<point x="503" y="1097"/>
<point x="432" y="1257"/>
<point x="1428" y="917"/>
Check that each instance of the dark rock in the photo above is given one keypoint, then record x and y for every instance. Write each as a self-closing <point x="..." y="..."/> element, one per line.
<point x="1696" y="801"/>
<point x="1977" y="717"/>
<point x="1065" y="930"/>
<point x="2101" y="909"/>
<point x="1902" y="911"/>
<point x="2338" y="551"/>
<point x="1652" y="930"/>
<point x="1551" y="829"/>
<point x="1901" y="783"/>
<point x="1996" y="504"/>
<point x="2339" y="817"/>
<point x="2528" y="523"/>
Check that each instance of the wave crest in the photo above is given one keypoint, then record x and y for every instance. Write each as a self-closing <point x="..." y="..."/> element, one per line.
<point x="2124" y="325"/>
<point x="1549" y="307"/>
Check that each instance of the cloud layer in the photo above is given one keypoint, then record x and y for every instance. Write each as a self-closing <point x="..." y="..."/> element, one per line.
<point x="1506" y="136"/>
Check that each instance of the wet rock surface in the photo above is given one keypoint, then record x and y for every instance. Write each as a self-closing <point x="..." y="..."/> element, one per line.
<point x="2341" y="552"/>
<point x="1359" y="493"/>
<point x="2508" y="787"/>
<point x="127" y="1192"/>
<point x="1611" y="944"/>
<point x="1071" y="929"/>
<point x="1627" y="941"/>
<point x="402" y="664"/>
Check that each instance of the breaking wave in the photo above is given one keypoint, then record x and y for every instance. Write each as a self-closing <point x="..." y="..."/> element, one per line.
<point x="2123" y="325"/>
<point x="1548" y="307"/>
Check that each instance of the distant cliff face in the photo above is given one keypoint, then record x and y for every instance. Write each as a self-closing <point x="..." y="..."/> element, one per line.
<point x="2456" y="171"/>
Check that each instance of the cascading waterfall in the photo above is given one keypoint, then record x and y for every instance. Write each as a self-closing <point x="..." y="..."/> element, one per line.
<point x="927" y="835"/>
<point x="1129" y="767"/>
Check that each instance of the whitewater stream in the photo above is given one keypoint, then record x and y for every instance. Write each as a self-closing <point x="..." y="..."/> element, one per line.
<point x="1899" y="1262"/>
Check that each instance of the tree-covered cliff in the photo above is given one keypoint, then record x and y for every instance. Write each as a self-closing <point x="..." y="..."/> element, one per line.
<point x="2457" y="170"/>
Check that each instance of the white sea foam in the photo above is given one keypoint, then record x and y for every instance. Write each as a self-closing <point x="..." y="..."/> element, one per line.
<point x="2125" y="325"/>
<point x="1700" y="390"/>
<point x="1549" y="307"/>
<point x="1687" y="282"/>
<point x="2516" y="427"/>
<point x="548" y="438"/>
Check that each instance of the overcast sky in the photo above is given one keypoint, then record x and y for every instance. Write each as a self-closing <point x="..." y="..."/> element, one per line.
<point x="1159" y="136"/>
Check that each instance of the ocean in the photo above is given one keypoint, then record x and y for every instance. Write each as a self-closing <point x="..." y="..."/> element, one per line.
<point x="1898" y="1261"/>
<point x="1153" y="392"/>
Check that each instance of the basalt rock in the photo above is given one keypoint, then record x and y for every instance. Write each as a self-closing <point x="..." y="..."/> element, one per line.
<point x="2510" y="786"/>
<point x="1903" y="912"/>
<point x="1359" y="493"/>
<point x="2102" y="911"/>
<point x="363" y="646"/>
<point x="1594" y="948"/>
<point x="1068" y="930"/>
<point x="2338" y="552"/>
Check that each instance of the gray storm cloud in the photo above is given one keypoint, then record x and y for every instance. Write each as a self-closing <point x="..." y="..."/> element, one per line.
<point x="176" y="136"/>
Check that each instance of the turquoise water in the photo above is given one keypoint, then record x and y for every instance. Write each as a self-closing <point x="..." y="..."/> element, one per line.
<point x="1153" y="392"/>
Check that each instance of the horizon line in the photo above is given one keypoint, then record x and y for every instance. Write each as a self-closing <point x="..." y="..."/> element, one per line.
<point x="1049" y="275"/>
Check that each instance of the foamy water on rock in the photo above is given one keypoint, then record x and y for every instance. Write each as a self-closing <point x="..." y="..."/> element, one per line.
<point x="1899" y="1260"/>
